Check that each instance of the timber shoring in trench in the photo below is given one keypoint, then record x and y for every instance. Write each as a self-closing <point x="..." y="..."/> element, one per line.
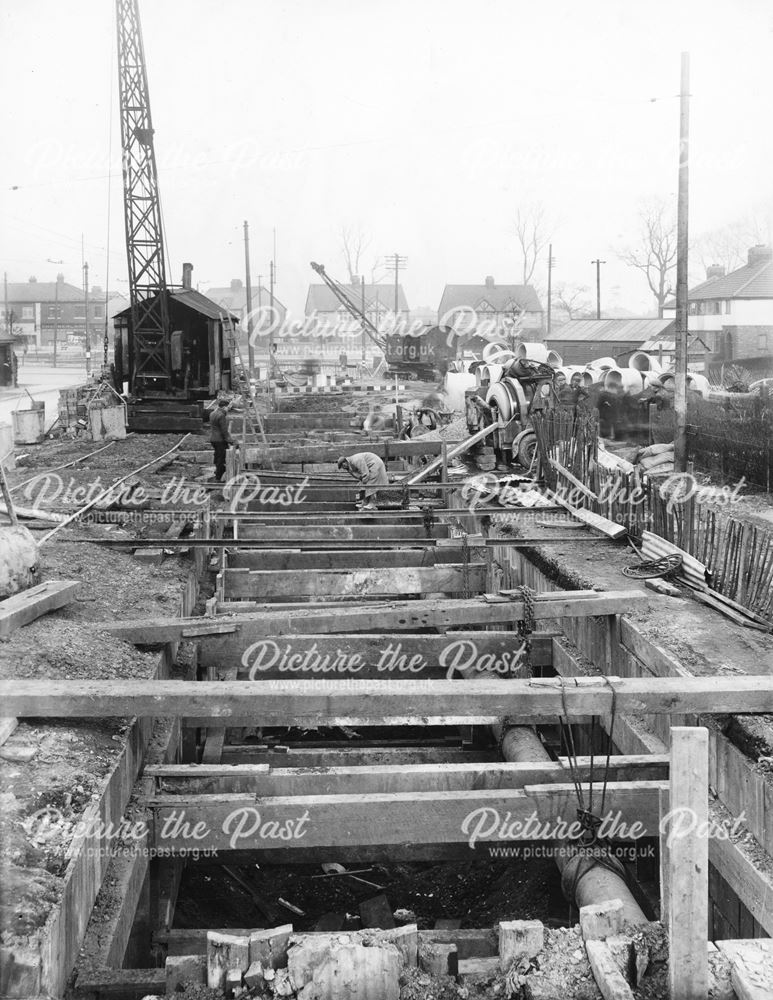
<point x="635" y="787"/>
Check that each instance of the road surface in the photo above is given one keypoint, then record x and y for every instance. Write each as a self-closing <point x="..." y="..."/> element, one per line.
<point x="43" y="382"/>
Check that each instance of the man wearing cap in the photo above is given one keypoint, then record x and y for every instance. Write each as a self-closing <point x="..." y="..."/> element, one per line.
<point x="371" y="473"/>
<point x="219" y="435"/>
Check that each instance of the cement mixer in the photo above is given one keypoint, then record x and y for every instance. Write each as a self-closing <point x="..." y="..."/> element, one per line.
<point x="510" y="389"/>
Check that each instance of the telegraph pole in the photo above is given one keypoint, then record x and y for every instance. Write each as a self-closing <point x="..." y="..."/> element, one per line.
<point x="5" y="290"/>
<point x="598" y="264"/>
<point x="56" y="317"/>
<point x="86" y="320"/>
<point x="551" y="263"/>
<point x="398" y="263"/>
<point x="250" y="345"/>
<point x="362" y="286"/>
<point x="682" y="320"/>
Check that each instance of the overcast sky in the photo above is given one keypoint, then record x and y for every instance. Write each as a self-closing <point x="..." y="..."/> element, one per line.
<point x="426" y="123"/>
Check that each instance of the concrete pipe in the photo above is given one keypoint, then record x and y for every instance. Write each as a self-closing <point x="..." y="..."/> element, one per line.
<point x="627" y="379"/>
<point x="521" y="745"/>
<point x="489" y="373"/>
<point x="554" y="359"/>
<point x="644" y="362"/>
<point x="529" y="351"/>
<point x="602" y="364"/>
<point x="698" y="383"/>
<point x="491" y="352"/>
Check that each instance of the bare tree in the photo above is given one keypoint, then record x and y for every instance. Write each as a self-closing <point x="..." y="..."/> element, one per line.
<point x="573" y="300"/>
<point x="655" y="255"/>
<point x="728" y="246"/>
<point x="532" y="233"/>
<point x="354" y="243"/>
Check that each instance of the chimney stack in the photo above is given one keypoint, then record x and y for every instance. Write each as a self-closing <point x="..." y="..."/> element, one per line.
<point x="489" y="282"/>
<point x="715" y="271"/>
<point x="187" y="276"/>
<point x="759" y="254"/>
<point x="236" y="284"/>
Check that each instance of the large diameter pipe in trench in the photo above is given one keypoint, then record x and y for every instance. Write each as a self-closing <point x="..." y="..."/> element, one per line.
<point x="521" y="745"/>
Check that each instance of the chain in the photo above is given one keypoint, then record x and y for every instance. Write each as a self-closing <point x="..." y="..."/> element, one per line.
<point x="465" y="568"/>
<point x="526" y="627"/>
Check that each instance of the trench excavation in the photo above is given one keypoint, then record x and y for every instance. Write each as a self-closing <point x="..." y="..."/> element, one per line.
<point x="379" y="729"/>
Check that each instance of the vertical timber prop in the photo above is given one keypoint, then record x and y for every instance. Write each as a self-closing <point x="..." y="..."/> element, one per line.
<point x="685" y="863"/>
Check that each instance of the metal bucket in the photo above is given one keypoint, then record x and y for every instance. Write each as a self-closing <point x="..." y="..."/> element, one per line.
<point x="29" y="425"/>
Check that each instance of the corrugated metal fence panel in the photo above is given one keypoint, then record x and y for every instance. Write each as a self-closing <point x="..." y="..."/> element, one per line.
<point x="655" y="547"/>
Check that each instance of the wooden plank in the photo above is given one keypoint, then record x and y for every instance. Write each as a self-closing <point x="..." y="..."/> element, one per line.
<point x="366" y="779"/>
<point x="122" y="984"/>
<point x="328" y="703"/>
<point x="609" y="979"/>
<point x="688" y="864"/>
<point x="400" y="616"/>
<point x="341" y="532"/>
<point x="351" y="756"/>
<point x="25" y="607"/>
<point x="246" y="584"/>
<point x="366" y="655"/>
<point x="7" y="726"/>
<point x="596" y="521"/>
<point x="286" y="559"/>
<point x="238" y="822"/>
<point x="294" y="454"/>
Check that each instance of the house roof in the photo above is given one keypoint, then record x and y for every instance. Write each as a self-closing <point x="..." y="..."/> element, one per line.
<point x="43" y="291"/>
<point x="500" y="298"/>
<point x="195" y="300"/>
<point x="321" y="299"/>
<point x="236" y="298"/>
<point x="669" y="346"/>
<point x="752" y="281"/>
<point x="613" y="330"/>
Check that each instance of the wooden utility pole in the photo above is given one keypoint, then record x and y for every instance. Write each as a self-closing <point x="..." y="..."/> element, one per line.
<point x="362" y="283"/>
<point x="598" y="264"/>
<point x="682" y="320"/>
<point x="56" y="317"/>
<point x="5" y="293"/>
<point x="550" y="284"/>
<point x="250" y="345"/>
<point x="86" y="316"/>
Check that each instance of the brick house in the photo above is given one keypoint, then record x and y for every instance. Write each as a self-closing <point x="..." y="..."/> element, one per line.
<point x="733" y="313"/>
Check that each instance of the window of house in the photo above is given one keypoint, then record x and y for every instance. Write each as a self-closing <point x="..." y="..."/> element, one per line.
<point x="727" y="306"/>
<point x="692" y="308"/>
<point x="716" y="308"/>
<point x="762" y="341"/>
<point x="27" y="312"/>
<point x="99" y="311"/>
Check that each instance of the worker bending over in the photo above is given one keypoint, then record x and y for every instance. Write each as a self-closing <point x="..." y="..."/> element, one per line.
<point x="371" y="473"/>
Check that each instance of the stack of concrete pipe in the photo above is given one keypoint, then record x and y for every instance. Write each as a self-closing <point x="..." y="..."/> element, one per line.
<point x="642" y="371"/>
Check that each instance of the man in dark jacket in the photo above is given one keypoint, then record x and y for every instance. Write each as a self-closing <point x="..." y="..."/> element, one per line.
<point x="219" y="435"/>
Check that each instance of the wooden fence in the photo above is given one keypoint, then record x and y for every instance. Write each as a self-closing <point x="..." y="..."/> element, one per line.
<point x="737" y="554"/>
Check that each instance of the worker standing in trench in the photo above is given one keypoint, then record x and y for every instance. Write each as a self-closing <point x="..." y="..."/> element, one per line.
<point x="370" y="471"/>
<point x="219" y="435"/>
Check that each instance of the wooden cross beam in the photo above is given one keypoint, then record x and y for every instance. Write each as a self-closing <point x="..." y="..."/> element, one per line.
<point x="265" y="780"/>
<point x="286" y="559"/>
<point x="376" y="656"/>
<point x="195" y="823"/>
<point x="325" y="703"/>
<point x="340" y="532"/>
<point x="386" y="582"/>
<point x="396" y="616"/>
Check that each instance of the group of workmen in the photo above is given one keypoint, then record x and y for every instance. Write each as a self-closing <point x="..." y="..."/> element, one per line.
<point x="366" y="467"/>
